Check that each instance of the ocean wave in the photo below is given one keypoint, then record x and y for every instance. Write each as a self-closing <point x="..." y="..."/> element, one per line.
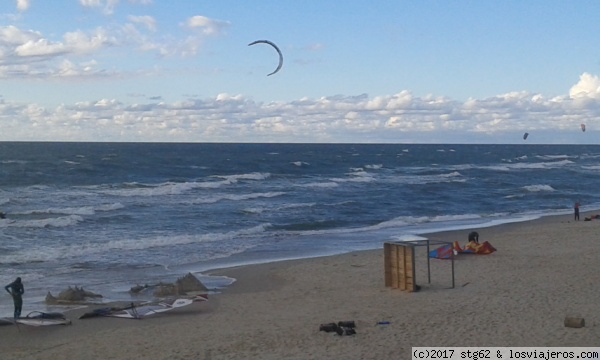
<point x="538" y="188"/>
<point x="234" y="197"/>
<point x="554" y="157"/>
<point x="164" y="189"/>
<point x="84" y="210"/>
<point x="20" y="162"/>
<point x="526" y="166"/>
<point x="542" y="165"/>
<point x="591" y="167"/>
<point x="300" y="163"/>
<point x="57" y="222"/>
<point x="357" y="175"/>
<point x="323" y="185"/>
<point x="398" y="222"/>
<point x="260" y="210"/>
<point x="454" y="176"/>
<point x="45" y="253"/>
<point x="250" y="176"/>
<point x="496" y="167"/>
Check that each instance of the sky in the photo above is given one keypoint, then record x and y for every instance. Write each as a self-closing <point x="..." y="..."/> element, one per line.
<point x="357" y="71"/>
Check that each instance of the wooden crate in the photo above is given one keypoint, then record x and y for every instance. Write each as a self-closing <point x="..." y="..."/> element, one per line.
<point x="399" y="263"/>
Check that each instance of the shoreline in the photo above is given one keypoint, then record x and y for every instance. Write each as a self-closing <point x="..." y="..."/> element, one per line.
<point x="35" y="299"/>
<point x="543" y="271"/>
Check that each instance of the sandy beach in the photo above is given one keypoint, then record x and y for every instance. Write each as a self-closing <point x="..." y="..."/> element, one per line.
<point x="543" y="271"/>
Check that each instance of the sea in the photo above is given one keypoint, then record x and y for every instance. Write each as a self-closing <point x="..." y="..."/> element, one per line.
<point x="110" y="216"/>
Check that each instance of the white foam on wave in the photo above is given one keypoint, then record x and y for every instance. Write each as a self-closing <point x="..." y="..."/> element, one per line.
<point x="542" y="165"/>
<point x="164" y="189"/>
<point x="83" y="210"/>
<point x="408" y="237"/>
<point x="21" y="162"/>
<point x="175" y="188"/>
<point x="260" y="210"/>
<point x="538" y="188"/>
<point x="399" y="222"/>
<point x="356" y="175"/>
<point x="45" y="253"/>
<point x="524" y="166"/>
<point x="496" y="167"/>
<point x="591" y="167"/>
<point x="300" y="163"/>
<point x="451" y="177"/>
<point x="554" y="157"/>
<point x="62" y="221"/>
<point x="234" y="197"/>
<point x="322" y="185"/>
<point x="249" y="176"/>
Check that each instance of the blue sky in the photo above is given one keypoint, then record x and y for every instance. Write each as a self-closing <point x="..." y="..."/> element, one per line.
<point x="354" y="71"/>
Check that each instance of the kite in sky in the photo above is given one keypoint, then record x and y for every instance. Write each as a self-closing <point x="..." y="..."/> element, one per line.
<point x="276" y="48"/>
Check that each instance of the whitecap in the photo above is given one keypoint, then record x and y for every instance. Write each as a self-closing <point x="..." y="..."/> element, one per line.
<point x="537" y="188"/>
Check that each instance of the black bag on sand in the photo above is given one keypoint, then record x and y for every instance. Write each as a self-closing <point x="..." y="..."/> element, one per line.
<point x="330" y="327"/>
<point x="347" y="324"/>
<point x="349" y="331"/>
<point x="341" y="328"/>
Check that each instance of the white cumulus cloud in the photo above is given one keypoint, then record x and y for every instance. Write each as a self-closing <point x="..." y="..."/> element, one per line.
<point x="206" y="25"/>
<point x="588" y="86"/>
<point x="23" y="5"/>
<point x="148" y="21"/>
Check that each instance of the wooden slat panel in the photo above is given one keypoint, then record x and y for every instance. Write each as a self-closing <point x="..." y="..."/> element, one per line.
<point x="409" y="264"/>
<point x="387" y="249"/>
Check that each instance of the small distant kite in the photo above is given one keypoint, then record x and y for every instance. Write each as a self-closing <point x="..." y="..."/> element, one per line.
<point x="525" y="136"/>
<point x="583" y="127"/>
<point x="276" y="48"/>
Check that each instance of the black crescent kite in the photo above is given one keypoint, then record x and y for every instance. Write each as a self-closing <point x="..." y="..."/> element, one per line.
<point x="276" y="48"/>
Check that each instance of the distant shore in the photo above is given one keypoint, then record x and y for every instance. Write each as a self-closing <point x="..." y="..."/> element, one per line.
<point x="543" y="271"/>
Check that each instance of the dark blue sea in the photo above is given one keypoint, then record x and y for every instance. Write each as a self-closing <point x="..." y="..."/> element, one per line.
<point x="108" y="216"/>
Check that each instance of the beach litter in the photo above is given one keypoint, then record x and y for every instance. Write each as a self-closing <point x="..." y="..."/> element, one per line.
<point x="341" y="328"/>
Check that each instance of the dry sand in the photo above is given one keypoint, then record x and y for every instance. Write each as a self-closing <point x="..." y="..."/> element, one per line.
<point x="543" y="271"/>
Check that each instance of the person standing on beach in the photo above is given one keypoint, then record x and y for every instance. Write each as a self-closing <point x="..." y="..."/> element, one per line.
<point x="474" y="236"/>
<point x="16" y="290"/>
<point x="577" y="211"/>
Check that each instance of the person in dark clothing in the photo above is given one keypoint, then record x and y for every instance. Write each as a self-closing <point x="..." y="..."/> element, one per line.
<point x="576" y="208"/>
<point x="16" y="290"/>
<point x="474" y="236"/>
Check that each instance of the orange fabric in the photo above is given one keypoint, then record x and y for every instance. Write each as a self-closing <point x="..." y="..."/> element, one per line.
<point x="484" y="248"/>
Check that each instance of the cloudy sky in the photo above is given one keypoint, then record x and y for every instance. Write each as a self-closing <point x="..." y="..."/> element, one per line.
<point x="389" y="71"/>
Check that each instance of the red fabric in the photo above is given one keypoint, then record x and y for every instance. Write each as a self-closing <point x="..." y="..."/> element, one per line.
<point x="474" y="248"/>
